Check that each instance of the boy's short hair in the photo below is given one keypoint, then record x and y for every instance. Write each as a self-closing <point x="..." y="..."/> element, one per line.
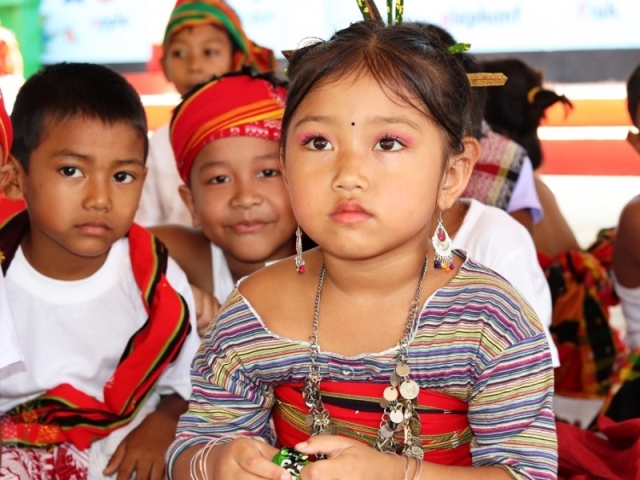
<point x="633" y="95"/>
<point x="64" y="90"/>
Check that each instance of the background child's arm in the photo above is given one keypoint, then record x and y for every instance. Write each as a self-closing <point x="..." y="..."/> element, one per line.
<point x="192" y="252"/>
<point x="207" y="308"/>
<point x="143" y="450"/>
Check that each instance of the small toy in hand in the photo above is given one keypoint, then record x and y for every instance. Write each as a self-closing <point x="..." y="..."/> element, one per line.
<point x="291" y="460"/>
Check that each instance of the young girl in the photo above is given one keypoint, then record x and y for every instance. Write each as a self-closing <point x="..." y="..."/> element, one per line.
<point x="225" y="137"/>
<point x="384" y="339"/>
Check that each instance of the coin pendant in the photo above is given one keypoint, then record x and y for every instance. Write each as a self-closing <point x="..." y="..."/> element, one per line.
<point x="396" y="416"/>
<point x="384" y="403"/>
<point x="409" y="389"/>
<point x="391" y="393"/>
<point x="309" y="420"/>
<point x="415" y="425"/>
<point x="414" y="451"/>
<point x="395" y="379"/>
<point x="403" y="369"/>
<point x="386" y="432"/>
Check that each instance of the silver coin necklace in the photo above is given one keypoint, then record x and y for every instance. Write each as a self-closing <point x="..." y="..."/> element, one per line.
<point x="400" y="424"/>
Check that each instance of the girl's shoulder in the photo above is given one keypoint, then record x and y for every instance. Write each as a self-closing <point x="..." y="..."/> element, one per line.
<point x="282" y="297"/>
<point x="479" y="293"/>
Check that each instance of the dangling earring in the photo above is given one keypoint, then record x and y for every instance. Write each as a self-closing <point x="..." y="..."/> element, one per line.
<point x="299" y="260"/>
<point x="442" y="246"/>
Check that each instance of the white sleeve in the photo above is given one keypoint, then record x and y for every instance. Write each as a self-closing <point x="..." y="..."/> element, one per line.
<point x="160" y="203"/>
<point x="524" y="193"/>
<point x="10" y="352"/>
<point x="177" y="376"/>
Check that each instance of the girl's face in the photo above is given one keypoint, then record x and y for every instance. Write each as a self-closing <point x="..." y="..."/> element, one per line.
<point x="366" y="171"/>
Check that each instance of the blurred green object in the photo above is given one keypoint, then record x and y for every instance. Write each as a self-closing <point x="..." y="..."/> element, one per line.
<point x="22" y="17"/>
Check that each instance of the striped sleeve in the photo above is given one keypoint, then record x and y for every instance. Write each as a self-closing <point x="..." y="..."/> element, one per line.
<point x="225" y="400"/>
<point x="510" y="412"/>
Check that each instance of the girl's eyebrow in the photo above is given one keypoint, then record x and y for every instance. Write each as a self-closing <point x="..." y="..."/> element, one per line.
<point x="380" y="120"/>
<point x="377" y="120"/>
<point x="326" y="119"/>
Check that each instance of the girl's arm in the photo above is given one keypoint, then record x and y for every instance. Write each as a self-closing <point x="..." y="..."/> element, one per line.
<point x="226" y="401"/>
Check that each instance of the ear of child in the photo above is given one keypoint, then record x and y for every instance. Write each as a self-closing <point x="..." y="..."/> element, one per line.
<point x="457" y="172"/>
<point x="187" y="197"/>
<point x="10" y="179"/>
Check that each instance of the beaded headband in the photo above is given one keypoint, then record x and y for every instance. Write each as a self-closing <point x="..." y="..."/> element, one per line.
<point x="395" y="12"/>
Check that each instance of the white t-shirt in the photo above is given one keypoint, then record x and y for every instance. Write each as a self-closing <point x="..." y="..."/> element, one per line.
<point x="10" y="352"/>
<point x="630" y="303"/>
<point x="76" y="331"/>
<point x="223" y="283"/>
<point x="160" y="203"/>
<point x="491" y="237"/>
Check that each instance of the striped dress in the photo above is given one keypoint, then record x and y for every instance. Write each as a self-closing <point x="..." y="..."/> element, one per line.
<point x="476" y="340"/>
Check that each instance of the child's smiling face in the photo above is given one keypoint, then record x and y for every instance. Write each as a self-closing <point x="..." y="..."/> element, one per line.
<point x="238" y="197"/>
<point x="365" y="169"/>
<point x="195" y="54"/>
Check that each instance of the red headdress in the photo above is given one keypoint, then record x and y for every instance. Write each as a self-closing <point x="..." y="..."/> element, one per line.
<point x="6" y="132"/>
<point x="232" y="106"/>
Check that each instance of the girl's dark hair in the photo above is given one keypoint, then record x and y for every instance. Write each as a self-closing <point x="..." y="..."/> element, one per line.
<point x="470" y="65"/>
<point x="633" y="95"/>
<point x="516" y="109"/>
<point x="65" y="90"/>
<point x="411" y="62"/>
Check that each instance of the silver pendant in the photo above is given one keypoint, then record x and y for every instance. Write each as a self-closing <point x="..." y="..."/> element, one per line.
<point x="409" y="389"/>
<point x="309" y="420"/>
<point x="386" y="432"/>
<point x="396" y="416"/>
<point x="403" y="369"/>
<point x="390" y="393"/>
<point x="414" y="451"/>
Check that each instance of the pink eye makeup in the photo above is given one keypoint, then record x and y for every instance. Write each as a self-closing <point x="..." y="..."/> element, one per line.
<point x="402" y="138"/>
<point x="304" y="138"/>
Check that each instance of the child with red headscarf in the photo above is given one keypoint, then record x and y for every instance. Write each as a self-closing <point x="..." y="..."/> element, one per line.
<point x="203" y="38"/>
<point x="225" y="138"/>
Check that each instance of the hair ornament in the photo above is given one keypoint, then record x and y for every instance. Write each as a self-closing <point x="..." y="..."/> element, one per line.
<point x="531" y="95"/>
<point x="371" y="13"/>
<point x="487" y="79"/>
<point x="459" y="48"/>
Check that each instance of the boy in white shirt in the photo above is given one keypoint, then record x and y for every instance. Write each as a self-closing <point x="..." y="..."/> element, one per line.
<point x="102" y="314"/>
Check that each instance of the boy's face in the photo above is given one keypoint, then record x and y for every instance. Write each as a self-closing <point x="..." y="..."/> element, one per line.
<point x="195" y="54"/>
<point x="83" y="187"/>
<point x="239" y="199"/>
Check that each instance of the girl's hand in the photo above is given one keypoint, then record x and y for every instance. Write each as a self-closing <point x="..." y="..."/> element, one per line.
<point x="347" y="459"/>
<point x="247" y="459"/>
